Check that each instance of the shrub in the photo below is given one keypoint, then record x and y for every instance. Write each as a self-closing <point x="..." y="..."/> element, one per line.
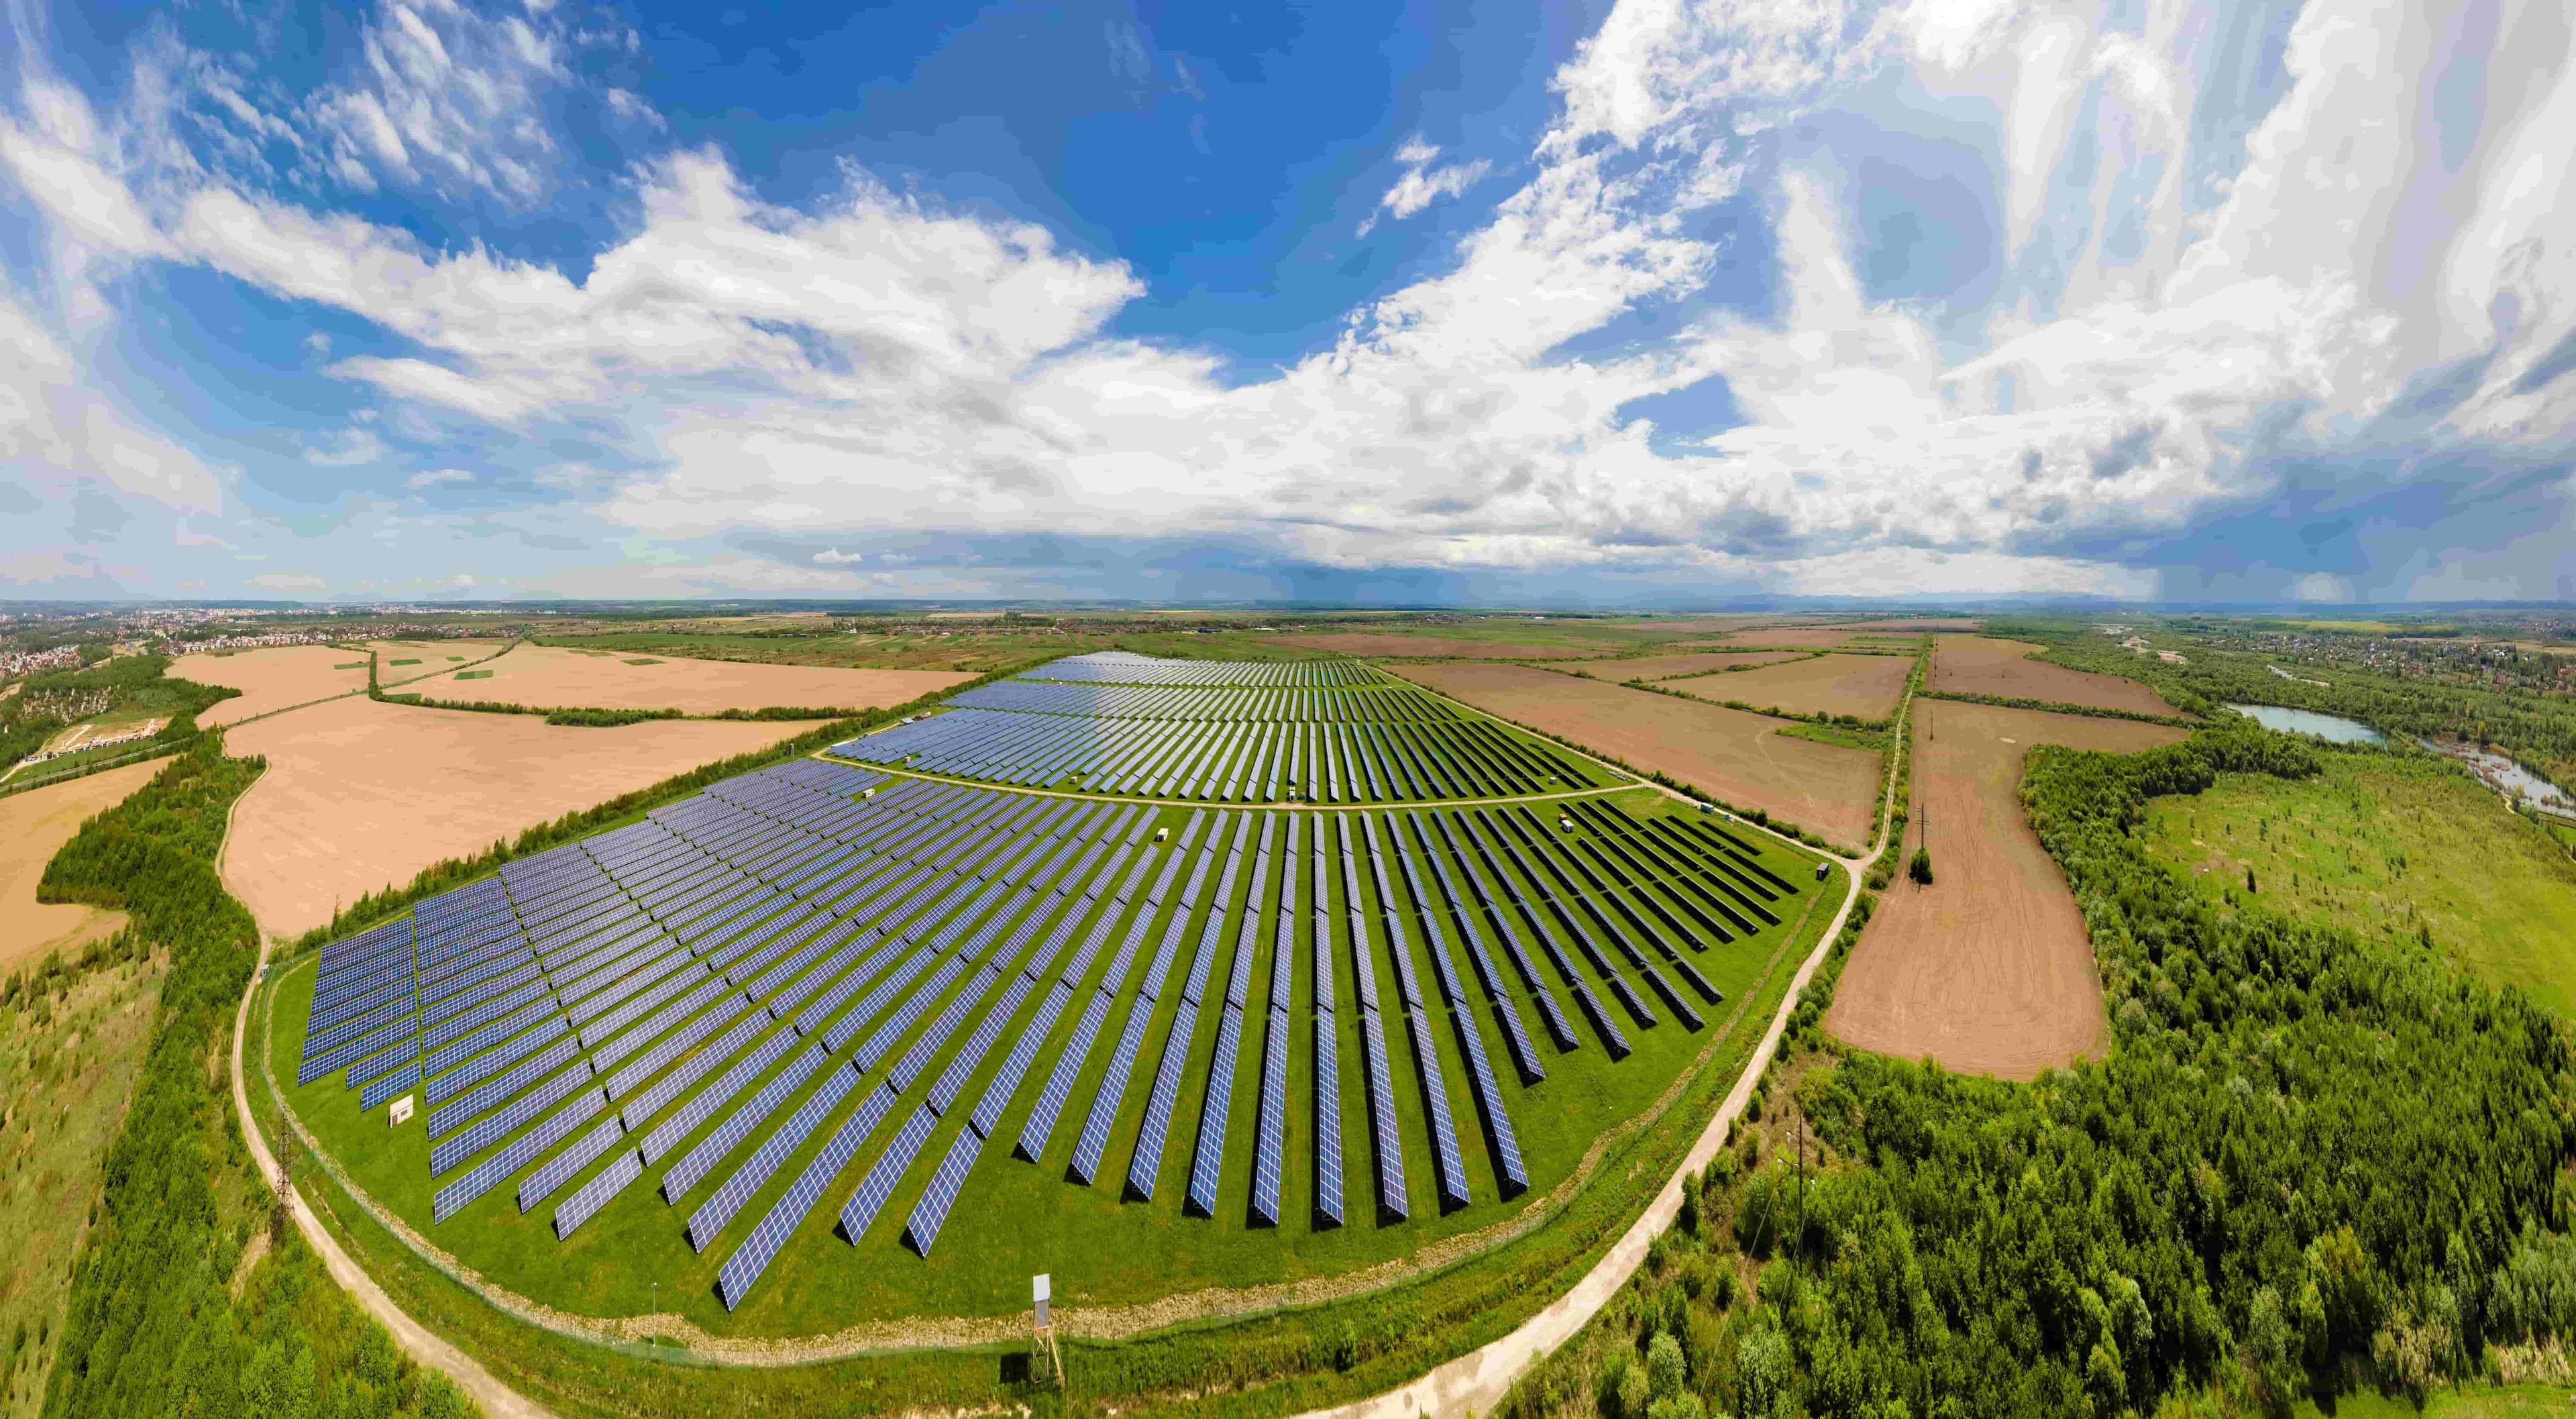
<point x="1920" y="869"/>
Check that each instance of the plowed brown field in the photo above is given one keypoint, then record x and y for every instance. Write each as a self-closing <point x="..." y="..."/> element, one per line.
<point x="1978" y="665"/>
<point x="1657" y="667"/>
<point x="551" y="677"/>
<point x="272" y="679"/>
<point x="1987" y="970"/>
<point x="1380" y="643"/>
<point x="360" y="794"/>
<point x="1864" y="685"/>
<point x="1739" y="757"/>
<point x="33" y="827"/>
<point x="1812" y="637"/>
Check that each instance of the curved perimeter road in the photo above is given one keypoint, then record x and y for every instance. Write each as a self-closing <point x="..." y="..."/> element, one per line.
<point x="1475" y="1381"/>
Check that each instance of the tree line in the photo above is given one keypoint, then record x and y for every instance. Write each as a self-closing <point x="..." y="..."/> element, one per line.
<point x="159" y="1323"/>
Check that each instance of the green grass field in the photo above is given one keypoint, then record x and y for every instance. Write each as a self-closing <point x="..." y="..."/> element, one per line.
<point x="2392" y="845"/>
<point x="1014" y="1217"/>
<point x="69" y="1051"/>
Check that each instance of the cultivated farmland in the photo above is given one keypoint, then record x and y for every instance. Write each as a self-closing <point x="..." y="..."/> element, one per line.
<point x="33" y="826"/>
<point x="1988" y="969"/>
<point x="1658" y="667"/>
<point x="272" y="678"/>
<point x="1388" y="644"/>
<point x="1867" y="686"/>
<point x="360" y="794"/>
<point x="1741" y="758"/>
<point x="1980" y="665"/>
<point x="1805" y="637"/>
<point x="833" y="1042"/>
<point x="553" y="677"/>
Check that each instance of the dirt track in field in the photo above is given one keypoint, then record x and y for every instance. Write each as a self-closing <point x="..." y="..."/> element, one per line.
<point x="1741" y="758"/>
<point x="1863" y="685"/>
<point x="33" y="827"/>
<point x="553" y="677"/>
<point x="360" y="794"/>
<point x="1659" y="667"/>
<point x="1382" y="643"/>
<point x="272" y="678"/>
<point x="1980" y="665"/>
<point x="1987" y="970"/>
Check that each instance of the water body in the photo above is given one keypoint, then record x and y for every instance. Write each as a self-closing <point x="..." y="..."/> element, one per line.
<point x="2507" y="777"/>
<point x="2332" y="728"/>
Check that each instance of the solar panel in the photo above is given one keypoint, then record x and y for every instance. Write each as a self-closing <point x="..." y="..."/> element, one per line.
<point x="729" y="1197"/>
<point x="385" y="1086"/>
<point x="450" y="1077"/>
<point x="624" y="1036"/>
<point x="1328" y="1122"/>
<point x="1489" y="1104"/>
<point x="737" y="1126"/>
<point x="483" y="1176"/>
<point x="1051" y="1099"/>
<point x="922" y="1229"/>
<point x="1381" y="1091"/>
<point x="1148" y="1158"/>
<point x="559" y="1169"/>
<point x="704" y="1106"/>
<point x="743" y="1268"/>
<point x="595" y="1194"/>
<point x="319" y="1065"/>
<point x="465" y="1139"/>
<point x="1113" y="1089"/>
<point x="1269" y="1139"/>
<point x="654" y="1097"/>
<point x="1449" y="1172"/>
<point x="882" y="1178"/>
<point x="1208" y="1163"/>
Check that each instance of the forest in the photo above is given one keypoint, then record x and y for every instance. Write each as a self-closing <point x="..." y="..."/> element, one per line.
<point x="163" y="1318"/>
<point x="2312" y="1163"/>
<point x="48" y="701"/>
<point x="2538" y="730"/>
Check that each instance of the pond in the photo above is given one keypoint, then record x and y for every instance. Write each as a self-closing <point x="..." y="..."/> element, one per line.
<point x="2332" y="728"/>
<point x="2506" y="777"/>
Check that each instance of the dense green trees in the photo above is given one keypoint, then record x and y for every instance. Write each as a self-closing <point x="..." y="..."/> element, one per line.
<point x="2309" y="1161"/>
<point x="155" y="1326"/>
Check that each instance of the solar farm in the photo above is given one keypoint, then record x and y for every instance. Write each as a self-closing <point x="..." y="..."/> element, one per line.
<point x="1313" y="969"/>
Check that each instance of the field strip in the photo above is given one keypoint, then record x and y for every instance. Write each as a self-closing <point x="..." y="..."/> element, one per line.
<point x="1477" y="1381"/>
<point x="1852" y="861"/>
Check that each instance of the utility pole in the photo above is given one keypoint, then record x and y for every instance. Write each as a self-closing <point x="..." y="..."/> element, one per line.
<point x="1802" y="1177"/>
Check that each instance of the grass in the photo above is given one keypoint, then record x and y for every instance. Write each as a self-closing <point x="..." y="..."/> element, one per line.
<point x="351" y="665"/>
<point x="644" y="660"/>
<point x="473" y="674"/>
<point x="69" y="1050"/>
<point x="2480" y="1402"/>
<point x="2388" y="844"/>
<point x="1876" y="741"/>
<point x="1018" y="1218"/>
<point x="413" y="661"/>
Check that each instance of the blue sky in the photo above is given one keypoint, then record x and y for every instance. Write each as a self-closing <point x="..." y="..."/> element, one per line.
<point x="1567" y="303"/>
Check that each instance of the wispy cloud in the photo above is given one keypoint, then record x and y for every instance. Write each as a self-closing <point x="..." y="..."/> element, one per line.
<point x="1422" y="184"/>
